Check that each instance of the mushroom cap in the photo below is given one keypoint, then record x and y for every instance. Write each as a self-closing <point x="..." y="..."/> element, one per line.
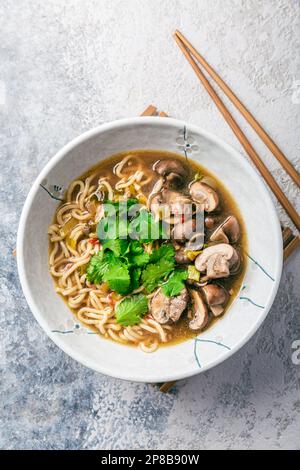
<point x="174" y="172"/>
<point x="171" y="205"/>
<point x="173" y="197"/>
<point x="187" y="231"/>
<point x="204" y="194"/>
<point x="184" y="231"/>
<point x="216" y="297"/>
<point x="181" y="257"/>
<point x="217" y="260"/>
<point x="210" y="182"/>
<point x="195" y="243"/>
<point x="211" y="221"/>
<point x="199" y="311"/>
<point x="228" y="231"/>
<point x="164" y="309"/>
<point x="222" y="249"/>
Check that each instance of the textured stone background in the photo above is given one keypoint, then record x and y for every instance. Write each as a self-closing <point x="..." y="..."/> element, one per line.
<point x="67" y="66"/>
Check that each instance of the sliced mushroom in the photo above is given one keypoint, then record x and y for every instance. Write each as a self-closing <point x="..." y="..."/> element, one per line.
<point x="210" y="182"/>
<point x="199" y="311"/>
<point x="173" y="197"/>
<point x="165" y="309"/>
<point x="181" y="256"/>
<point x="196" y="242"/>
<point x="184" y="231"/>
<point x="216" y="297"/>
<point x="227" y="232"/>
<point x="211" y="221"/>
<point x="218" y="261"/>
<point x="204" y="194"/>
<point x="171" y="206"/>
<point x="173" y="171"/>
<point x="236" y="266"/>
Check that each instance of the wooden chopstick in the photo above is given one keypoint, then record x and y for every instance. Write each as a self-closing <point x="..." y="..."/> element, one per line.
<point x="290" y="242"/>
<point x="291" y="247"/>
<point x="166" y="386"/>
<point x="241" y="137"/>
<point x="150" y="111"/>
<point x="278" y="154"/>
<point x="287" y="236"/>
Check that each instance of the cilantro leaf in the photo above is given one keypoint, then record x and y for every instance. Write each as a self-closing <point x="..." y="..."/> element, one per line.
<point x="136" y="255"/>
<point x="164" y="251"/>
<point x="117" y="276"/>
<point x="115" y="221"/>
<point x="155" y="273"/>
<point x="122" y="227"/>
<point x="117" y="246"/>
<point x="145" y="228"/>
<point x="131" y="309"/>
<point x="102" y="229"/>
<point x="175" y="283"/>
<point x="111" y="228"/>
<point x="135" y="274"/>
<point x="107" y="229"/>
<point x="97" y="266"/>
<point x="122" y="219"/>
<point x="135" y="247"/>
<point x="140" y="260"/>
<point x="119" y="206"/>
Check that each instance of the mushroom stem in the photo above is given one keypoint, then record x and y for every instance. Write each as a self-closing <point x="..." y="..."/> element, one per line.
<point x="216" y="298"/>
<point x="199" y="311"/>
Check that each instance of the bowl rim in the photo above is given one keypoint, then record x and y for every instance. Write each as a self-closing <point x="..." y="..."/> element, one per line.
<point x="59" y="156"/>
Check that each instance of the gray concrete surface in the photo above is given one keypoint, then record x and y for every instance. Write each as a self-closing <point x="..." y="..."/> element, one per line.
<point x="67" y="66"/>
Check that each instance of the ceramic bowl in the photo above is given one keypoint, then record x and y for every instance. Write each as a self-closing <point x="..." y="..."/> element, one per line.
<point x="245" y="314"/>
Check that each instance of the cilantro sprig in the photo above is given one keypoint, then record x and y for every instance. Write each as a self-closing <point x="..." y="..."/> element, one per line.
<point x="154" y="274"/>
<point x="129" y="219"/>
<point x="131" y="309"/>
<point x="125" y="265"/>
<point x="175" y="283"/>
<point x="97" y="267"/>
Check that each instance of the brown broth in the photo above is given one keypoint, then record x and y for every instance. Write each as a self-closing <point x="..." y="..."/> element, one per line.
<point x="147" y="158"/>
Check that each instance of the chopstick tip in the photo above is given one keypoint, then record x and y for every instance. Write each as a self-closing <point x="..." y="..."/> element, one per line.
<point x="176" y="38"/>
<point x="179" y="34"/>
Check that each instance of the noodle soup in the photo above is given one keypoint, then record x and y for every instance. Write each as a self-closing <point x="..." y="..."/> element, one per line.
<point x="147" y="249"/>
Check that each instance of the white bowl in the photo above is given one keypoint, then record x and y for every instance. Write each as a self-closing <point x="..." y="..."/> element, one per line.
<point x="228" y="334"/>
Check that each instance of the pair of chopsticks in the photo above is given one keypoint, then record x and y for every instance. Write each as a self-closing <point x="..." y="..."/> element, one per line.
<point x="190" y="53"/>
